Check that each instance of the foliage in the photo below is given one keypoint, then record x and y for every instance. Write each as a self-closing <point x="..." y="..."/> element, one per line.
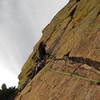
<point x="8" y="93"/>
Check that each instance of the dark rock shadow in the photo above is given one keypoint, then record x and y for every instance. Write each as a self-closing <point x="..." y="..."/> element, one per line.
<point x="77" y="0"/>
<point x="87" y="61"/>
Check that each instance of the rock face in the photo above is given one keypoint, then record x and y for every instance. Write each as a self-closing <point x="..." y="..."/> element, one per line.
<point x="74" y="30"/>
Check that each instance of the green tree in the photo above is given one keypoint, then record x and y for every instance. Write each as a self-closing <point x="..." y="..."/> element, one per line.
<point x="8" y="93"/>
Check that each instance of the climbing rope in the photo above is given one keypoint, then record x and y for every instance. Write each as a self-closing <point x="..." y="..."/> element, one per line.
<point x="76" y="76"/>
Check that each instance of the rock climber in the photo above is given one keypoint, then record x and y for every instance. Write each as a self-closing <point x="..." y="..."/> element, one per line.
<point x="42" y="51"/>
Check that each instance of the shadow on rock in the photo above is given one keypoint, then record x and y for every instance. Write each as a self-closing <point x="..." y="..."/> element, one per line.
<point x="87" y="61"/>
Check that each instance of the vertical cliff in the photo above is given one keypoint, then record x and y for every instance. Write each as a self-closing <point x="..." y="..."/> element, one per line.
<point x="75" y="29"/>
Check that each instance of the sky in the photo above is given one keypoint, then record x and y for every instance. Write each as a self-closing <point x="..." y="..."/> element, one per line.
<point x="21" y="24"/>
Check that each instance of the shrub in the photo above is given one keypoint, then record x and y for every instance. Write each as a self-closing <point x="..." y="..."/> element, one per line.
<point x="8" y="93"/>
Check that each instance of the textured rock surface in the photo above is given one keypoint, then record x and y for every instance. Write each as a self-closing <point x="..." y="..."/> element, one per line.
<point x="75" y="28"/>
